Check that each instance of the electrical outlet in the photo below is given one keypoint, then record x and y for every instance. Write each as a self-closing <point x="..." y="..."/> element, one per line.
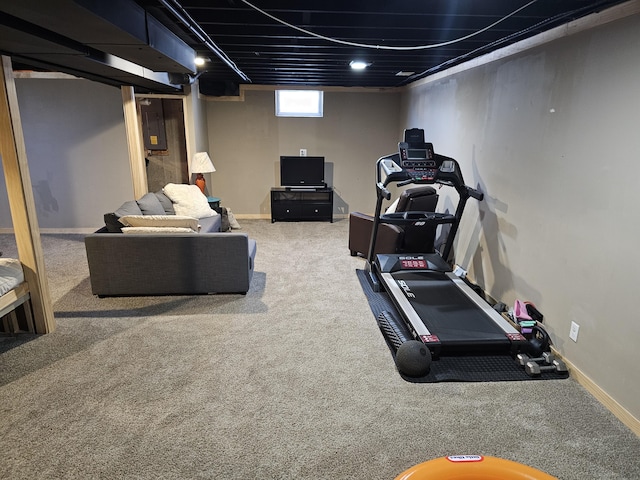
<point x="303" y="152"/>
<point x="573" y="333"/>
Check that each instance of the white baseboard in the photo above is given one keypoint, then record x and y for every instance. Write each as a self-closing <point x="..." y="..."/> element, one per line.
<point x="603" y="397"/>
<point x="252" y="216"/>
<point x="267" y="216"/>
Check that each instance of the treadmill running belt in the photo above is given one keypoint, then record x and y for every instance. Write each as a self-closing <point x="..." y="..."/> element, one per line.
<point x="463" y="368"/>
<point x="448" y="313"/>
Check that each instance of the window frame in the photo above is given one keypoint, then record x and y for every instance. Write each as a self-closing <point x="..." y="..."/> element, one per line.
<point x="282" y="110"/>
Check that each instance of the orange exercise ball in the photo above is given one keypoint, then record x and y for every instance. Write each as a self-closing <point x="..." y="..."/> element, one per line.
<point x="472" y="467"/>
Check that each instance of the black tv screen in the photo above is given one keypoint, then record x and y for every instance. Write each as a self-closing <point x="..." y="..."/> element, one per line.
<point x="302" y="172"/>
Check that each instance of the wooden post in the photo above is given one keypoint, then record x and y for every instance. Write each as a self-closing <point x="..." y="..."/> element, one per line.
<point x="21" y="202"/>
<point x="134" y="141"/>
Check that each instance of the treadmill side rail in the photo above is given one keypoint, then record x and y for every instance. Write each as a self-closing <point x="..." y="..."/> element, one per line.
<point x="518" y="341"/>
<point x="490" y="312"/>
<point x="407" y="309"/>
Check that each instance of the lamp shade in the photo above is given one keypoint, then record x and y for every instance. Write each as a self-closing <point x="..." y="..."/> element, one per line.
<point x="201" y="163"/>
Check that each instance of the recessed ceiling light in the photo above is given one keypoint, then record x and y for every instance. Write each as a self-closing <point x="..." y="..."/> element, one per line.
<point x="402" y="73"/>
<point x="199" y="61"/>
<point x="358" y="64"/>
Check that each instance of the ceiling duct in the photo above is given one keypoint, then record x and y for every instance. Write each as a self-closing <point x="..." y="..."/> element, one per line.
<point x="144" y="30"/>
<point x="120" y="28"/>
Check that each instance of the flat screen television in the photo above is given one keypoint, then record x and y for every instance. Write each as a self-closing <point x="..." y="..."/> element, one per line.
<point x="302" y="172"/>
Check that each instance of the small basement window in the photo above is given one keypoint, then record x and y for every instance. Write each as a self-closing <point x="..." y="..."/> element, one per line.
<point x="299" y="103"/>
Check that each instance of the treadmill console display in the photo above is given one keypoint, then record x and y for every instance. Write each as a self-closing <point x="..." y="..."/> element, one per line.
<point x="416" y="154"/>
<point x="418" y="161"/>
<point x="428" y="261"/>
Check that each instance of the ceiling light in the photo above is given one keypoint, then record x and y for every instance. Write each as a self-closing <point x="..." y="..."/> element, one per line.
<point x="199" y="61"/>
<point x="358" y="64"/>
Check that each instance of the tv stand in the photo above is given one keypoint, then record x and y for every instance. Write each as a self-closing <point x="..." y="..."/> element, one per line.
<point x="301" y="204"/>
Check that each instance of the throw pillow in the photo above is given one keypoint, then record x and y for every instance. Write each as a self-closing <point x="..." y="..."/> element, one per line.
<point x="166" y="203"/>
<point x="160" y="221"/>
<point x="11" y="274"/>
<point x="155" y="230"/>
<point x="112" y="223"/>
<point x="128" y="208"/>
<point x="188" y="200"/>
<point x="225" y="226"/>
<point x="150" y="205"/>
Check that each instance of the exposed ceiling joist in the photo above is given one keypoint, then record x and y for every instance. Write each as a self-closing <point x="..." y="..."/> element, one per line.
<point x="271" y="42"/>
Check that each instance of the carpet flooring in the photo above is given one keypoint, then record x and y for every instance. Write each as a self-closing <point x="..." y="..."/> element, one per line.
<point x="291" y="381"/>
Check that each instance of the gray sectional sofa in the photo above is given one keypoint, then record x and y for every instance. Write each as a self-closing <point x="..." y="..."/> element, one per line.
<point x="174" y="263"/>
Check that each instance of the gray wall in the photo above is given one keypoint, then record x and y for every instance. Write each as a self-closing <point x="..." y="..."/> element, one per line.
<point x="77" y="152"/>
<point x="552" y="136"/>
<point x="246" y="140"/>
<point x="76" y="146"/>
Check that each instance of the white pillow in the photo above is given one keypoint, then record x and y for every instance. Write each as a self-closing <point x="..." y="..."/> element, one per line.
<point x="11" y="274"/>
<point x="188" y="200"/>
<point x="156" y="230"/>
<point x="159" y="221"/>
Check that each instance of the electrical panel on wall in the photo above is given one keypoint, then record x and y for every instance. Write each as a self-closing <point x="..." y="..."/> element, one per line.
<point x="155" y="136"/>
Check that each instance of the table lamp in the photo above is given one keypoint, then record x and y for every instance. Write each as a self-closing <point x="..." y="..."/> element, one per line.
<point x="200" y="164"/>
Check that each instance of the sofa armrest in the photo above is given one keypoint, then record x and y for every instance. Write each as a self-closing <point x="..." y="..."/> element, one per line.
<point x="210" y="224"/>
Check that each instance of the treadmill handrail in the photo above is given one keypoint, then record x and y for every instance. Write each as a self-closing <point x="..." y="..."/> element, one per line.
<point x="413" y="217"/>
<point x="476" y="194"/>
<point x="448" y="173"/>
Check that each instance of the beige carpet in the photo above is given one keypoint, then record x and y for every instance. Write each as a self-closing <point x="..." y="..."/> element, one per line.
<point x="291" y="381"/>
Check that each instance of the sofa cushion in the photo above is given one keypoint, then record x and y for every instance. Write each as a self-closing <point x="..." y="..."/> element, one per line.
<point x="160" y="221"/>
<point x="112" y="223"/>
<point x="155" y="230"/>
<point x="150" y="205"/>
<point x="166" y="203"/>
<point x="128" y="208"/>
<point x="188" y="200"/>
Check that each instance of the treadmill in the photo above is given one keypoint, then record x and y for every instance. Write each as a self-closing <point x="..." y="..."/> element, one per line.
<point x="436" y="306"/>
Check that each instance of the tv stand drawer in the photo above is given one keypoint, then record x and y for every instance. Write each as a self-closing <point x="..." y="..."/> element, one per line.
<point x="316" y="210"/>
<point x="293" y="205"/>
<point x="285" y="211"/>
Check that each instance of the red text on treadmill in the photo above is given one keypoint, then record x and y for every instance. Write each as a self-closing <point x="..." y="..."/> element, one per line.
<point x="429" y="338"/>
<point x="516" y="337"/>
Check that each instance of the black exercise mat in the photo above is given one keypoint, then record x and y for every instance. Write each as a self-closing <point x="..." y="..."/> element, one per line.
<point x="482" y="368"/>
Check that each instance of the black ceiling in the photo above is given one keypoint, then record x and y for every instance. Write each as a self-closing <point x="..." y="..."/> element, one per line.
<point x="150" y="43"/>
